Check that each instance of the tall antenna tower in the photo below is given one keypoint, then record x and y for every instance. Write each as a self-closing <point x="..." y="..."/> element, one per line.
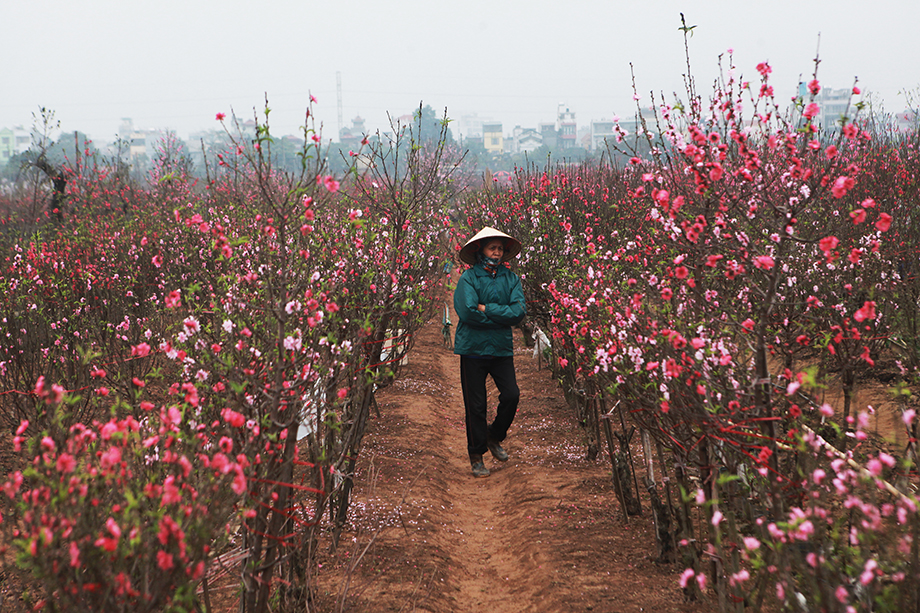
<point x="338" y="91"/>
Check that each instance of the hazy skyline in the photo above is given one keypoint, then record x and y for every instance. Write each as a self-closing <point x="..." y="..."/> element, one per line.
<point x="176" y="64"/>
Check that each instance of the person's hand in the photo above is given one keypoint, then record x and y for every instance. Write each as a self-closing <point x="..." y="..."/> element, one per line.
<point x="482" y="308"/>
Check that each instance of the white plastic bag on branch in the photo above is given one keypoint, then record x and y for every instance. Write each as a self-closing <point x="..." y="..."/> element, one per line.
<point x="541" y="343"/>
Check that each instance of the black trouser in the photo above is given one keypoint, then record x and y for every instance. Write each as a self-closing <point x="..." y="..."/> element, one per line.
<point x="473" y="372"/>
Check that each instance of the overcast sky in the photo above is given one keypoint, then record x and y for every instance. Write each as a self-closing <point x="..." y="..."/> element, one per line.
<point x="176" y="63"/>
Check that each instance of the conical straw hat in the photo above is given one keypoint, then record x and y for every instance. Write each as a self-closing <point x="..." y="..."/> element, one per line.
<point x="468" y="252"/>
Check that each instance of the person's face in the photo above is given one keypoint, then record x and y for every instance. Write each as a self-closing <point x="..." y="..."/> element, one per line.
<point x="494" y="248"/>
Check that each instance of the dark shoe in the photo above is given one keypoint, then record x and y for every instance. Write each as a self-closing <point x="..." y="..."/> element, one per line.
<point x="497" y="452"/>
<point x="480" y="470"/>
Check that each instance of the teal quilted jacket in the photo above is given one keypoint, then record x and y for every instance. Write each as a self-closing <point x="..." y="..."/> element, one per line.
<point x="488" y="333"/>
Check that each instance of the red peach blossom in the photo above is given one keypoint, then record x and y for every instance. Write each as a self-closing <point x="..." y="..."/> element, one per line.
<point x="828" y="243"/>
<point x="884" y="222"/>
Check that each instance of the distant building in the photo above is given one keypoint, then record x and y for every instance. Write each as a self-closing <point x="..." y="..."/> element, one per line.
<point x="548" y="135"/>
<point x="135" y="139"/>
<point x="248" y="129"/>
<point x="142" y="144"/>
<point x="906" y="121"/>
<point x="204" y="145"/>
<point x="492" y="138"/>
<point x="583" y="137"/>
<point x="12" y="141"/>
<point x="632" y="127"/>
<point x="602" y="131"/>
<point x="353" y="136"/>
<point x="469" y="125"/>
<point x="472" y="142"/>
<point x="566" y="128"/>
<point x="7" y="145"/>
<point x="402" y="126"/>
<point x="834" y="104"/>
<point x="526" y="140"/>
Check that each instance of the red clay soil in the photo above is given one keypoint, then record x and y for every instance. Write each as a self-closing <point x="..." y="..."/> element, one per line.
<point x="543" y="533"/>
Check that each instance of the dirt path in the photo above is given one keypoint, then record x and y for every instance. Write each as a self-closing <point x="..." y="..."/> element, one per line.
<point x="499" y="568"/>
<point x="543" y="533"/>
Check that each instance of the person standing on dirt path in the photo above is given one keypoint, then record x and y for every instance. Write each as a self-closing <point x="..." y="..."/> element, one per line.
<point x="489" y="301"/>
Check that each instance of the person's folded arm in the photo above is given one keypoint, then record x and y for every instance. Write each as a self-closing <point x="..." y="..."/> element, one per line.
<point x="466" y="304"/>
<point x="509" y="314"/>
